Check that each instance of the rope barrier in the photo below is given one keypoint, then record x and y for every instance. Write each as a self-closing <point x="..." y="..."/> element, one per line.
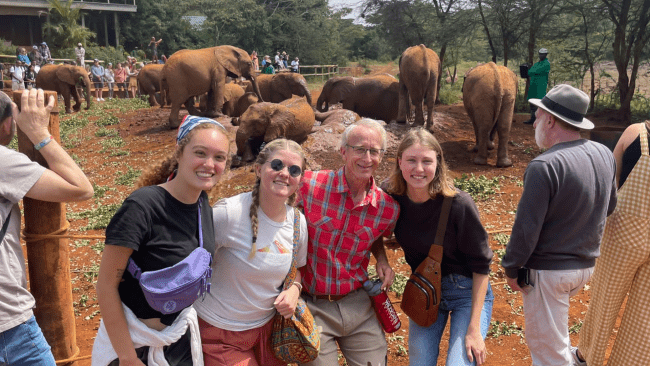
<point x="73" y="358"/>
<point x="57" y="235"/>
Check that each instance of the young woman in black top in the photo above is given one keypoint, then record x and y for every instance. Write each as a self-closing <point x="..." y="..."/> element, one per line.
<point x="419" y="183"/>
<point x="158" y="226"/>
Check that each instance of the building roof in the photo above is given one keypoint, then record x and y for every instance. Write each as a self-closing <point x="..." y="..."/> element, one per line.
<point x="38" y="7"/>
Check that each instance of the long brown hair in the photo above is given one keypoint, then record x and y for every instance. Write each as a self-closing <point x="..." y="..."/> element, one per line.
<point x="441" y="183"/>
<point x="158" y="174"/>
<point x="267" y="152"/>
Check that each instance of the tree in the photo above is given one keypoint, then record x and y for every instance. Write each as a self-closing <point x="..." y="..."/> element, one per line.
<point x="66" y="31"/>
<point x="630" y="19"/>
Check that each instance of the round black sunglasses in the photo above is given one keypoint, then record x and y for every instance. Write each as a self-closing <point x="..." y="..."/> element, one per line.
<point x="278" y="165"/>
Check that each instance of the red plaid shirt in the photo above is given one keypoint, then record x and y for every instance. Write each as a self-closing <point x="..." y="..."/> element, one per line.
<point x="340" y="233"/>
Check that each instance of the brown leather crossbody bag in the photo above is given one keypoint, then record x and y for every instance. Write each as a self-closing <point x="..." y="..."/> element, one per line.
<point x="422" y="293"/>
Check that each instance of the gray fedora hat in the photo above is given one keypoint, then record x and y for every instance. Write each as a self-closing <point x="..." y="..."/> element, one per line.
<point x="566" y="103"/>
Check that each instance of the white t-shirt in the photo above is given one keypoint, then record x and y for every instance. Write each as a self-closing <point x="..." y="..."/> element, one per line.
<point x="18" y="73"/>
<point x="243" y="290"/>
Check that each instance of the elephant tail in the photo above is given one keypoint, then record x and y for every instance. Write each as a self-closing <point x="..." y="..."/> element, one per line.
<point x="498" y="93"/>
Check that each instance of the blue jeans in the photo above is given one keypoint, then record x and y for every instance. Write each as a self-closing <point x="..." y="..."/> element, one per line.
<point x="424" y="342"/>
<point x="25" y="344"/>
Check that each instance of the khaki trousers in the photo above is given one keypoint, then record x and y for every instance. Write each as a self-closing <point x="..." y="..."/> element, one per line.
<point x="352" y="324"/>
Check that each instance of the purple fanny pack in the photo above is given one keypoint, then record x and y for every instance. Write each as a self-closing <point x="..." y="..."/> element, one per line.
<point x="172" y="289"/>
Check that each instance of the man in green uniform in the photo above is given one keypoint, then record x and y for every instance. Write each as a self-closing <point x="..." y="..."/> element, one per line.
<point x="538" y="75"/>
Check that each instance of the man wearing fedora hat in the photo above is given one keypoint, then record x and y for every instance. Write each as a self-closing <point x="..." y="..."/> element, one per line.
<point x="538" y="75"/>
<point x="568" y="192"/>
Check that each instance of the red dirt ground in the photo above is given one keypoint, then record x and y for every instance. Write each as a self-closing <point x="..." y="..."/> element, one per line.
<point x="148" y="139"/>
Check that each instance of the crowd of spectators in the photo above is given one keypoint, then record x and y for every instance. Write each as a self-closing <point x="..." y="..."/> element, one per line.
<point x="279" y="63"/>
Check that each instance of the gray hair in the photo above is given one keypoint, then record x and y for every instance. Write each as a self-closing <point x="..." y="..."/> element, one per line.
<point x="366" y="123"/>
<point x="5" y="106"/>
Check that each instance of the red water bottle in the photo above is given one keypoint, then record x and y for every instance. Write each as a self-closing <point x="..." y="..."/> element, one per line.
<point x="383" y="307"/>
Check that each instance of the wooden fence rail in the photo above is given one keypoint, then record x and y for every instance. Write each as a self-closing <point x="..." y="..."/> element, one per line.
<point x="320" y="70"/>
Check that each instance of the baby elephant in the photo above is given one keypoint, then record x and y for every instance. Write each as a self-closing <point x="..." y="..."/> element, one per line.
<point x="489" y="93"/>
<point x="263" y="122"/>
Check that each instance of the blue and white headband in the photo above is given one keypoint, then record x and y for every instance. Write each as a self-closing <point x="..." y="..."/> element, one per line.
<point x="189" y="122"/>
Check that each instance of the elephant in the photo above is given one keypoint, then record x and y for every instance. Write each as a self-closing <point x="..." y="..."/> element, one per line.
<point x="342" y="116"/>
<point x="419" y="70"/>
<point x="263" y="122"/>
<point x="374" y="96"/>
<point x="149" y="83"/>
<point x="489" y="93"/>
<point x="278" y="87"/>
<point x="235" y="100"/>
<point x="64" y="79"/>
<point x="190" y="73"/>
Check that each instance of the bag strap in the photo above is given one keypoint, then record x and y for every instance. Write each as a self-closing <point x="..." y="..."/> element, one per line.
<point x="136" y="271"/>
<point x="5" y="226"/>
<point x="291" y="276"/>
<point x="435" y="252"/>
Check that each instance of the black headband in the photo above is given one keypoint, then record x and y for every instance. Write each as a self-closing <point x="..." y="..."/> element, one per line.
<point x="562" y="110"/>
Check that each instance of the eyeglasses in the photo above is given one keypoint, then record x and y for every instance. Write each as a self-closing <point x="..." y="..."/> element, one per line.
<point x="278" y="165"/>
<point x="360" y="150"/>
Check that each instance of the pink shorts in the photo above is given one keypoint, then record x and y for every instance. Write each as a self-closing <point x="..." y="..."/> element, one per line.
<point x="230" y="348"/>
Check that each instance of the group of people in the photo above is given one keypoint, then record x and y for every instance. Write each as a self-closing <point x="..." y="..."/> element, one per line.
<point x="569" y="190"/>
<point x="123" y="78"/>
<point x="27" y="65"/>
<point x="279" y="63"/>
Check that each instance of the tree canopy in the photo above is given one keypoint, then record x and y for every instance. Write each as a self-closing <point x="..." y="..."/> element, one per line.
<point x="577" y="33"/>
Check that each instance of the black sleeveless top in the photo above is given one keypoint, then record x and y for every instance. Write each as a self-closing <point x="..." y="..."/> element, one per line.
<point x="630" y="156"/>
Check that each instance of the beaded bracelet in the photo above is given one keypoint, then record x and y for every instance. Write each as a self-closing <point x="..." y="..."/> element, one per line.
<point x="297" y="284"/>
<point x="42" y="144"/>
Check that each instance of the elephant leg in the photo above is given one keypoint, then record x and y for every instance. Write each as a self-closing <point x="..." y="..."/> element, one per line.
<point x="404" y="106"/>
<point x="218" y="100"/>
<point x="191" y="109"/>
<point x="482" y="151"/>
<point x="430" y="100"/>
<point x="65" y="93"/>
<point x="210" y="105"/>
<point x="174" y="122"/>
<point x="152" y="98"/>
<point x="503" y="129"/>
<point x="77" y="99"/>
<point x="475" y="147"/>
<point x="490" y="143"/>
<point x="419" y="114"/>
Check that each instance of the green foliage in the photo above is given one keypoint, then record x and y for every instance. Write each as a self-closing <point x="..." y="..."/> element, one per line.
<point x="98" y="218"/>
<point x="575" y="328"/>
<point x="106" y="54"/>
<point x="128" y="178"/>
<point x="64" y="27"/>
<point x="450" y="94"/>
<point x="5" y="49"/>
<point x="107" y="120"/>
<point x="639" y="107"/>
<point x="501" y="238"/>
<point x="498" y="328"/>
<point x="480" y="188"/>
<point x="398" y="285"/>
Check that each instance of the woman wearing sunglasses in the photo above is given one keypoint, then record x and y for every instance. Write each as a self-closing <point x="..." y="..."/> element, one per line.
<point x="254" y="240"/>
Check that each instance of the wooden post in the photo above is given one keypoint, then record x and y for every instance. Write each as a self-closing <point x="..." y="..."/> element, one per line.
<point x="48" y="259"/>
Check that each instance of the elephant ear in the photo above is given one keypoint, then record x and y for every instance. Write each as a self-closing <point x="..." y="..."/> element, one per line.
<point x="66" y="75"/>
<point x="233" y="59"/>
<point x="281" y="119"/>
<point x="342" y="89"/>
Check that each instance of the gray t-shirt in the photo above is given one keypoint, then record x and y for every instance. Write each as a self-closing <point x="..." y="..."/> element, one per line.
<point x="18" y="175"/>
<point x="243" y="289"/>
<point x="569" y="191"/>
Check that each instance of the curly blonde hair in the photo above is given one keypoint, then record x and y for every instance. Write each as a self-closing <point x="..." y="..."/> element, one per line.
<point x="442" y="183"/>
<point x="267" y="152"/>
<point x="159" y="173"/>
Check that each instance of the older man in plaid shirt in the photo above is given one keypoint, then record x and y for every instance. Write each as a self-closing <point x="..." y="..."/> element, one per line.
<point x="346" y="213"/>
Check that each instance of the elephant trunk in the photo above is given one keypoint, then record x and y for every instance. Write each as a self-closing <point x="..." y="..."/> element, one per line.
<point x="256" y="88"/>
<point x="319" y="103"/>
<point x="85" y="81"/>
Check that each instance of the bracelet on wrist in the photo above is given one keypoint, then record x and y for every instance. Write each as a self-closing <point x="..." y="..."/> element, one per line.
<point x="298" y="284"/>
<point x="42" y="144"/>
